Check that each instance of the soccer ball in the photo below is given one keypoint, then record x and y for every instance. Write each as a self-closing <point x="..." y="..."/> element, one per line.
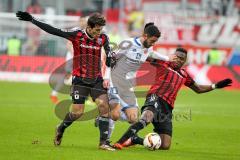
<point x="152" y="141"/>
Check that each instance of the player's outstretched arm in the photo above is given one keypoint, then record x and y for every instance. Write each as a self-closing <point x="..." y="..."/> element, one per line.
<point x="25" y="16"/>
<point x="159" y="56"/>
<point x="206" y="88"/>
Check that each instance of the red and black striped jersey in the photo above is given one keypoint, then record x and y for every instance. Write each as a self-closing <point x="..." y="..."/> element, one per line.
<point x="87" y="50"/>
<point x="87" y="54"/>
<point x="169" y="81"/>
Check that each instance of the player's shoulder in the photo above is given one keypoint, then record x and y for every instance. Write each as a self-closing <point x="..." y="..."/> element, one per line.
<point x="164" y="63"/>
<point x="159" y="64"/>
<point x="104" y="36"/>
<point x="136" y="42"/>
<point x="184" y="72"/>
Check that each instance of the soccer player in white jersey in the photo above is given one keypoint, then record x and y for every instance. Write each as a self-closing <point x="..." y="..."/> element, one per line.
<point x="131" y="54"/>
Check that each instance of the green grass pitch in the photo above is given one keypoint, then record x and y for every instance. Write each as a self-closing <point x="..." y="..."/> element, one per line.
<point x="206" y="126"/>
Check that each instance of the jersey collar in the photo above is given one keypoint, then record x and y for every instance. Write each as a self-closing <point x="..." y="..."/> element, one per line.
<point x="137" y="41"/>
<point x="85" y="30"/>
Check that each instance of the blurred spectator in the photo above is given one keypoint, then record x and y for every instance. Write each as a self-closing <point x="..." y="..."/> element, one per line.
<point x="33" y="34"/>
<point x="216" y="6"/>
<point x="214" y="57"/>
<point x="14" y="46"/>
<point x="225" y="7"/>
<point x="89" y="7"/>
<point x="34" y="7"/>
<point x="135" y="23"/>
<point x="114" y="35"/>
<point x="83" y="22"/>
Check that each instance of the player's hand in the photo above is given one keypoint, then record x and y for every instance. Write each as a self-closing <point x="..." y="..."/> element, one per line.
<point x="224" y="83"/>
<point x="106" y="83"/>
<point x="113" y="60"/>
<point x="173" y="58"/>
<point x="24" y="16"/>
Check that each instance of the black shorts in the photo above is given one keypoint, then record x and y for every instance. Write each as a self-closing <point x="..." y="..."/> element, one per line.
<point x="83" y="87"/>
<point x="162" y="121"/>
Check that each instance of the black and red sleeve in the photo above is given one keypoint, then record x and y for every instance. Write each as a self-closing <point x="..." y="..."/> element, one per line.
<point x="70" y="35"/>
<point x="189" y="81"/>
<point x="107" y="49"/>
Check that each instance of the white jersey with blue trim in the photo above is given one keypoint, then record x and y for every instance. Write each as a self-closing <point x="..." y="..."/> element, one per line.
<point x="131" y="55"/>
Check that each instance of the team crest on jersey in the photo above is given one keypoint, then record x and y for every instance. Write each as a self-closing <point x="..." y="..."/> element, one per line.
<point x="99" y="41"/>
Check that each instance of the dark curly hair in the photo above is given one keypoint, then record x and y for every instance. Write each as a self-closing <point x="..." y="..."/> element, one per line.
<point x="151" y="30"/>
<point x="96" y="19"/>
<point x="183" y="50"/>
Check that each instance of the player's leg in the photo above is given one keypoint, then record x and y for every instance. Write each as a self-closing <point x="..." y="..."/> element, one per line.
<point x="146" y="118"/>
<point x="166" y="141"/>
<point x="163" y="124"/>
<point x="79" y="93"/>
<point x="114" y="116"/>
<point x="99" y="95"/>
<point x="115" y="108"/>
<point x="132" y="114"/>
<point x="53" y="96"/>
<point x="148" y="114"/>
<point x="129" y="105"/>
<point x="59" y="83"/>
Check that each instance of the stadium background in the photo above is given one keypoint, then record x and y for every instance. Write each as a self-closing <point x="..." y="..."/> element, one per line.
<point x="209" y="29"/>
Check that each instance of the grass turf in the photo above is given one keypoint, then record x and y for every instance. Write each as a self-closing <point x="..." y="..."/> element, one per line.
<point x="205" y="127"/>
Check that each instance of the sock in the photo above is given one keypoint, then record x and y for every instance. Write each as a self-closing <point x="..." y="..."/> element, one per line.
<point x="103" y="128"/>
<point x="54" y="93"/>
<point x="68" y="120"/>
<point x="137" y="140"/>
<point x="132" y="131"/>
<point x="110" y="129"/>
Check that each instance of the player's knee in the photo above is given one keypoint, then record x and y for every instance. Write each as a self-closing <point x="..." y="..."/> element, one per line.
<point x="115" y="115"/>
<point x="165" y="146"/>
<point x="133" y="119"/>
<point x="103" y="107"/>
<point x="75" y="115"/>
<point x="147" y="116"/>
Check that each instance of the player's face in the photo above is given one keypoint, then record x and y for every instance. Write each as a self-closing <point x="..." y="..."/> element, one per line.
<point x="149" y="41"/>
<point x="181" y="59"/>
<point x="95" y="31"/>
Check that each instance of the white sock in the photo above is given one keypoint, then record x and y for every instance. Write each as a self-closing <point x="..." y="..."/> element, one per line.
<point x="54" y="93"/>
<point x="111" y="128"/>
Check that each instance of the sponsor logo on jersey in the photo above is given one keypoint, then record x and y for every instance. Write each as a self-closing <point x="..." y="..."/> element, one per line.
<point x="91" y="47"/>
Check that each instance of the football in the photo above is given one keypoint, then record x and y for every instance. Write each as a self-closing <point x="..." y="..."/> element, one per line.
<point x="152" y="141"/>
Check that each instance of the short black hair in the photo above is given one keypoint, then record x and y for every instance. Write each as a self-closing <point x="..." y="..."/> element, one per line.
<point x="151" y="30"/>
<point x="183" y="50"/>
<point x="96" y="19"/>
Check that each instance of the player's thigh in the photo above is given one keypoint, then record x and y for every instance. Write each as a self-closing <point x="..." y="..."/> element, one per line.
<point x="132" y="114"/>
<point x="79" y="91"/>
<point x="102" y="104"/>
<point x="78" y="109"/>
<point x="98" y="92"/>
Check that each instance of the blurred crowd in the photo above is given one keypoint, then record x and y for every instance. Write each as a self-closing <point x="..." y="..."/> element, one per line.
<point x="125" y="18"/>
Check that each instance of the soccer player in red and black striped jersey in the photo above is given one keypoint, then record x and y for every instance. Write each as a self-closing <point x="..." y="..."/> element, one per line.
<point x="170" y="76"/>
<point x="87" y="77"/>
